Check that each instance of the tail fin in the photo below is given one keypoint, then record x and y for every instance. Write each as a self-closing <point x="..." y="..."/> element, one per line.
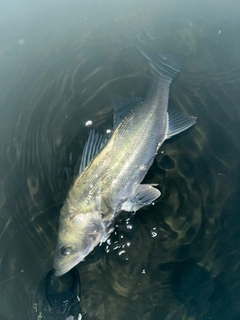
<point x="165" y="65"/>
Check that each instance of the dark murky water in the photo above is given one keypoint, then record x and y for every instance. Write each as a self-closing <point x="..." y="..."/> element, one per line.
<point x="60" y="64"/>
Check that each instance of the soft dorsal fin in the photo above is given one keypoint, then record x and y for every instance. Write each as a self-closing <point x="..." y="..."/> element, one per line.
<point x="95" y="142"/>
<point x="178" y="122"/>
<point x="122" y="106"/>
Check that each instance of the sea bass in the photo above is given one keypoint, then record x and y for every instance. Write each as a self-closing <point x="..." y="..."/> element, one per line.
<point x="112" y="169"/>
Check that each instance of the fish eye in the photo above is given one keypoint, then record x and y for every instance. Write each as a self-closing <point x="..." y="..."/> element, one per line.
<point x="65" y="250"/>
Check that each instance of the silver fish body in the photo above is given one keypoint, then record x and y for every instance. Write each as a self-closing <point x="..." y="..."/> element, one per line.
<point x="111" y="181"/>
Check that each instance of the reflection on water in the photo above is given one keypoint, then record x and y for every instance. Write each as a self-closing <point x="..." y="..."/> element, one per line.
<point x="62" y="296"/>
<point x="177" y="259"/>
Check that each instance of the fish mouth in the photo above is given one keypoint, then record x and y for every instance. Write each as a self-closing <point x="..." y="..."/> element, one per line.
<point x="62" y="264"/>
<point x="61" y="272"/>
<point x="62" y="267"/>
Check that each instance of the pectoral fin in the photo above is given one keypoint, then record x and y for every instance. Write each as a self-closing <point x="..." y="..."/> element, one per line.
<point x="142" y="196"/>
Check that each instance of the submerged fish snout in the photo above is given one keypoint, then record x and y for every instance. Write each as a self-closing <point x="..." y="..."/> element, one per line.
<point x="63" y="262"/>
<point x="73" y="247"/>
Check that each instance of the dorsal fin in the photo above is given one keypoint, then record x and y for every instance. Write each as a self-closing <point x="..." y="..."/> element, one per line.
<point x="122" y="106"/>
<point x="178" y="122"/>
<point x="94" y="144"/>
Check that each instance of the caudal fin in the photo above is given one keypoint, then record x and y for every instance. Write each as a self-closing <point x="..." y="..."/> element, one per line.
<point x="165" y="65"/>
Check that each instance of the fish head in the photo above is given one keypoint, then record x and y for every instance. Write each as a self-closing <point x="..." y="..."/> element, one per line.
<point x="77" y="237"/>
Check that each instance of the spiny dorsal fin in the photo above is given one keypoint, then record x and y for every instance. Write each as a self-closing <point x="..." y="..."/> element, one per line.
<point x="178" y="122"/>
<point x="94" y="144"/>
<point x="122" y="106"/>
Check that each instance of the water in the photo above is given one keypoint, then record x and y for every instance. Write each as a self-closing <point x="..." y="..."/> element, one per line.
<point x="61" y="61"/>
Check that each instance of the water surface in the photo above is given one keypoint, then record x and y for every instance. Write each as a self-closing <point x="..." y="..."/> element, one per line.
<point x="61" y="61"/>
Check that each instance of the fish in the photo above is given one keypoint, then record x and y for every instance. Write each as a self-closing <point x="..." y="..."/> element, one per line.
<point x="113" y="166"/>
